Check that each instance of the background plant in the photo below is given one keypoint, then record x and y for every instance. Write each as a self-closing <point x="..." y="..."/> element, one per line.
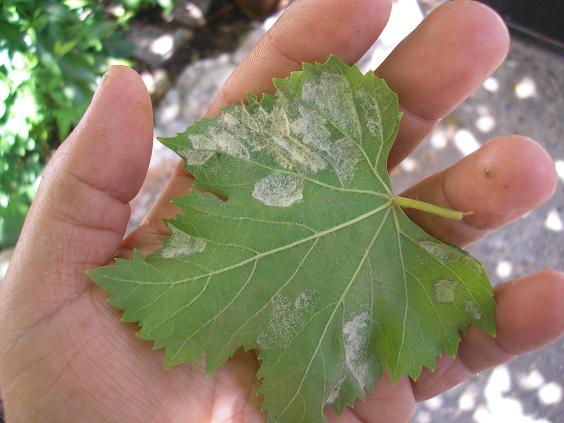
<point x="52" y="54"/>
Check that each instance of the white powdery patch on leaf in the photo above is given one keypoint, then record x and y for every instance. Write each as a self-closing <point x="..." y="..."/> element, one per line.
<point x="473" y="310"/>
<point x="444" y="291"/>
<point x="220" y="140"/>
<point x="371" y="112"/>
<point x="343" y="154"/>
<point x="277" y="190"/>
<point x="559" y="166"/>
<point x="437" y="250"/>
<point x="182" y="244"/>
<point x="287" y="319"/>
<point x="447" y="255"/>
<point x="334" y="394"/>
<point x="553" y="221"/>
<point x="269" y="132"/>
<point x="355" y="333"/>
<point x="195" y="157"/>
<point x="287" y="150"/>
<point x="342" y="113"/>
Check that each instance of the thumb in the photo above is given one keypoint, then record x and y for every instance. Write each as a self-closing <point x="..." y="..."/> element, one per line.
<point x="80" y="214"/>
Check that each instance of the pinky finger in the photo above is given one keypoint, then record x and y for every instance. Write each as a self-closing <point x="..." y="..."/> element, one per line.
<point x="530" y="315"/>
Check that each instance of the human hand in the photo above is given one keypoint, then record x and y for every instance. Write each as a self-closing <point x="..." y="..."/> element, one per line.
<point x="66" y="357"/>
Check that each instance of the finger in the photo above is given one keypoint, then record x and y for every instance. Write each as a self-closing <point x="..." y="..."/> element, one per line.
<point x="306" y="32"/>
<point x="81" y="211"/>
<point x="441" y="63"/>
<point x="388" y="403"/>
<point x="347" y="416"/>
<point x="309" y="31"/>
<point x="530" y="315"/>
<point x="501" y="181"/>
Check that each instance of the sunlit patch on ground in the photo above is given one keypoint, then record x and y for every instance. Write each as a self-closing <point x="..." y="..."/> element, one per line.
<point x="467" y="400"/>
<point x="491" y="84"/>
<point x="550" y="394"/>
<point x="503" y="269"/>
<point x="438" y="139"/>
<point x="553" y="221"/>
<point x="408" y="164"/>
<point x="465" y="141"/>
<point x="559" y="165"/>
<point x="485" y="123"/>
<point x="526" y="88"/>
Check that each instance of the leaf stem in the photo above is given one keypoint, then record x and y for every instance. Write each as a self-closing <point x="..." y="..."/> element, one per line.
<point x="429" y="208"/>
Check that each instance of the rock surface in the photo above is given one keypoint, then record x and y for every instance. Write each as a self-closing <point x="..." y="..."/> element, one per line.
<point x="154" y="45"/>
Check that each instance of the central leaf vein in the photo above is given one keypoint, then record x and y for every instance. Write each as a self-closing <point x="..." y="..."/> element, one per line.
<point x="346" y="290"/>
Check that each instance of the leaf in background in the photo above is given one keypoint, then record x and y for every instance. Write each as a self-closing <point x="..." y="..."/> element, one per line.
<point x="61" y="49"/>
<point x="309" y="260"/>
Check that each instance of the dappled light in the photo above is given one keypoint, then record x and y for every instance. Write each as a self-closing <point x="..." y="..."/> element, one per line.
<point x="465" y="142"/>
<point x="163" y="45"/>
<point x="504" y="269"/>
<point x="550" y="393"/>
<point x="434" y="403"/>
<point x="499" y="404"/>
<point x="485" y="123"/>
<point x="531" y="381"/>
<point x="467" y="400"/>
<point x="553" y="221"/>
<point x="438" y="139"/>
<point x="491" y="84"/>
<point x="409" y="164"/>
<point x="559" y="165"/>
<point x="525" y="88"/>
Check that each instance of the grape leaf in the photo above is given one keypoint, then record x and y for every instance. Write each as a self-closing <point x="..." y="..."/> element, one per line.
<point x="309" y="260"/>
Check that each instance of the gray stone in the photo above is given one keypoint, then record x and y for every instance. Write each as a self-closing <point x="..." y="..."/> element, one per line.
<point x="154" y="45"/>
<point x="196" y="88"/>
<point x="192" y="94"/>
<point x="191" y="13"/>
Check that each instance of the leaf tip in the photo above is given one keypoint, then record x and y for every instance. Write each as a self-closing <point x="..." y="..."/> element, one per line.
<point x="334" y="60"/>
<point x="166" y="141"/>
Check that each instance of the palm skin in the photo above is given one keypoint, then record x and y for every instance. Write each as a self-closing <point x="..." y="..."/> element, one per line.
<point x="66" y="356"/>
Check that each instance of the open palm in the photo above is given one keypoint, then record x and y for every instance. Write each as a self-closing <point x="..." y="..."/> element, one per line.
<point x="65" y="355"/>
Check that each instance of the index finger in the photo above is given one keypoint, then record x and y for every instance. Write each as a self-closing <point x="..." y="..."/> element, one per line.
<point x="308" y="31"/>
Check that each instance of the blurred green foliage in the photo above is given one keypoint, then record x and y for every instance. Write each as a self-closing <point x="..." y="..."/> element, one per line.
<point x="52" y="54"/>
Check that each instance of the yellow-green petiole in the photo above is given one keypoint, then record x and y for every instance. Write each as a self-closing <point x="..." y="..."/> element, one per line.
<point x="429" y="208"/>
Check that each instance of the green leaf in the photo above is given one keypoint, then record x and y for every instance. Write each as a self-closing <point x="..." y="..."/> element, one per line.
<point x="61" y="49"/>
<point x="309" y="260"/>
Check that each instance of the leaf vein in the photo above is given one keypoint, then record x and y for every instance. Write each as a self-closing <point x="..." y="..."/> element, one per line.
<point x="324" y="332"/>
